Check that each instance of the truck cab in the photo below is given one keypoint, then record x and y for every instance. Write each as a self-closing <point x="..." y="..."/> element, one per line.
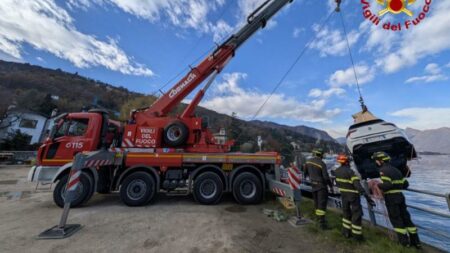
<point x="71" y="134"/>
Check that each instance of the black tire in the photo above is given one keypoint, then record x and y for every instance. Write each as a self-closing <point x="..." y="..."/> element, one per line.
<point x="247" y="189"/>
<point x="92" y="189"/>
<point x="85" y="190"/>
<point x="176" y="134"/>
<point x="208" y="188"/>
<point x="137" y="189"/>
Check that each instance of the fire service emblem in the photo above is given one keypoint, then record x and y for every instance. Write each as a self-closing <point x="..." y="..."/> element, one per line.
<point x="399" y="8"/>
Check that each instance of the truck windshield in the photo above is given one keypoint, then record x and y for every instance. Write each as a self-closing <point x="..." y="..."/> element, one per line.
<point x="72" y="127"/>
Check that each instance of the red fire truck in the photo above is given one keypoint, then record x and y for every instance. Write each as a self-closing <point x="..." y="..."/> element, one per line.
<point x="156" y="152"/>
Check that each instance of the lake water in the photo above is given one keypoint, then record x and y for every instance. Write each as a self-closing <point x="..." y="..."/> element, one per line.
<point x="430" y="173"/>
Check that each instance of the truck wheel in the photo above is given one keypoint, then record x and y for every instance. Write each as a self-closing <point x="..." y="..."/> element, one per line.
<point x="247" y="189"/>
<point x="175" y="134"/>
<point x="208" y="188"/>
<point x="137" y="189"/>
<point x="83" y="193"/>
<point x="92" y="189"/>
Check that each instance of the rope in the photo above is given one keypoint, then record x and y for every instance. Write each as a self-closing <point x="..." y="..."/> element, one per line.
<point x="361" y="100"/>
<point x="291" y="67"/>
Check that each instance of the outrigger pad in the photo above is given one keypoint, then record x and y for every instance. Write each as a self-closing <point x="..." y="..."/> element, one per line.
<point x="60" y="233"/>
<point x="297" y="222"/>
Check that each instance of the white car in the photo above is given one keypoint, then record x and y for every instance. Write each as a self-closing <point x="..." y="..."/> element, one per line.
<point x="366" y="138"/>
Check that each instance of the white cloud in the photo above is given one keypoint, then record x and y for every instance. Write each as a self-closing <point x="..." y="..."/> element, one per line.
<point x="433" y="69"/>
<point x="297" y="31"/>
<point x="427" y="78"/>
<point x="430" y="37"/>
<point x="318" y="93"/>
<point x="434" y="73"/>
<point x="83" y="4"/>
<point x="378" y="40"/>
<point x="423" y="118"/>
<point x="331" y="41"/>
<point x="347" y="77"/>
<point x="221" y="30"/>
<point x="47" y="27"/>
<point x="230" y="97"/>
<point x="187" y="14"/>
<point x="248" y="6"/>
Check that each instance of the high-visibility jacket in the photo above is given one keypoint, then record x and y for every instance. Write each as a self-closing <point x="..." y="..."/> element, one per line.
<point x="318" y="174"/>
<point x="347" y="181"/>
<point x="393" y="180"/>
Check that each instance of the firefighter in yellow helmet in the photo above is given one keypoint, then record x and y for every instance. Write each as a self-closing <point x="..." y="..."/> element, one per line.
<point x="350" y="188"/>
<point x="318" y="174"/>
<point x="393" y="183"/>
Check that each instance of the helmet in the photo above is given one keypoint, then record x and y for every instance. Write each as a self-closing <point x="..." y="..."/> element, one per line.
<point x="318" y="152"/>
<point x="342" y="159"/>
<point x="381" y="156"/>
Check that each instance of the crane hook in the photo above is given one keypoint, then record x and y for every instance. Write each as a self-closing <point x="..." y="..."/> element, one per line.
<point x="338" y="5"/>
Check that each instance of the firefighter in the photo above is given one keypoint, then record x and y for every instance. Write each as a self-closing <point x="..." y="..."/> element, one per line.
<point x="350" y="188"/>
<point x="318" y="174"/>
<point x="392" y="185"/>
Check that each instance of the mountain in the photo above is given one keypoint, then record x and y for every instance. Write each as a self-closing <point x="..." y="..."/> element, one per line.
<point x="41" y="89"/>
<point x="303" y="130"/>
<point x="341" y="140"/>
<point x="27" y="86"/>
<point x="436" y="140"/>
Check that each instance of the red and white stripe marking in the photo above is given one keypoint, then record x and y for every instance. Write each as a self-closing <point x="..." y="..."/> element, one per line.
<point x="280" y="192"/>
<point x="294" y="178"/>
<point x="118" y="149"/>
<point x="127" y="143"/>
<point x="74" y="180"/>
<point x="95" y="163"/>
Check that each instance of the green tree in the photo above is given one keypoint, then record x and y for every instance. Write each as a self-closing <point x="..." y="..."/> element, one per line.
<point x="47" y="105"/>
<point x="136" y="103"/>
<point x="30" y="99"/>
<point x="16" y="141"/>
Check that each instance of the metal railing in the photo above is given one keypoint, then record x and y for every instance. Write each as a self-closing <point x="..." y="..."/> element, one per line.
<point x="335" y="201"/>
<point x="429" y="193"/>
<point x="443" y="234"/>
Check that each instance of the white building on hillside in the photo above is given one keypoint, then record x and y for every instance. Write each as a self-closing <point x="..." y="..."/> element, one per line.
<point x="31" y="123"/>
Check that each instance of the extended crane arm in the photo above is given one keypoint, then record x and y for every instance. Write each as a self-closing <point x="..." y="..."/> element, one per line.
<point x="215" y="62"/>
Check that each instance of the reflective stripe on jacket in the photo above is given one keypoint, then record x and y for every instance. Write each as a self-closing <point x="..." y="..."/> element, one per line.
<point x="347" y="181"/>
<point x="393" y="180"/>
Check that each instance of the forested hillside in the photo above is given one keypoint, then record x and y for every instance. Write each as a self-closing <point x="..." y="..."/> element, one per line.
<point x="41" y="89"/>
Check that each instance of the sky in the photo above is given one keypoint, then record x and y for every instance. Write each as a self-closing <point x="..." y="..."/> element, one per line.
<point x="145" y="45"/>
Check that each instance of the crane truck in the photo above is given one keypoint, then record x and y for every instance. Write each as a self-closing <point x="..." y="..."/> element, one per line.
<point x="157" y="152"/>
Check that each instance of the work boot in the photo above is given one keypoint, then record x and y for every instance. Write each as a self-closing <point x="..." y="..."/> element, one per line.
<point x="323" y="223"/>
<point x="346" y="233"/>
<point x="403" y="239"/>
<point x="415" y="241"/>
<point x="358" y="238"/>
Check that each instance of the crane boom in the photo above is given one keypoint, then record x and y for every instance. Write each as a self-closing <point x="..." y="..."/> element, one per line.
<point x="214" y="63"/>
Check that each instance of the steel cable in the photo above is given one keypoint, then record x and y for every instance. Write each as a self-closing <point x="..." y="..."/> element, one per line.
<point x="291" y="67"/>
<point x="361" y="100"/>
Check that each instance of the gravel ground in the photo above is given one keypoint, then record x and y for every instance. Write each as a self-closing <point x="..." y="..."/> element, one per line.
<point x="170" y="224"/>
